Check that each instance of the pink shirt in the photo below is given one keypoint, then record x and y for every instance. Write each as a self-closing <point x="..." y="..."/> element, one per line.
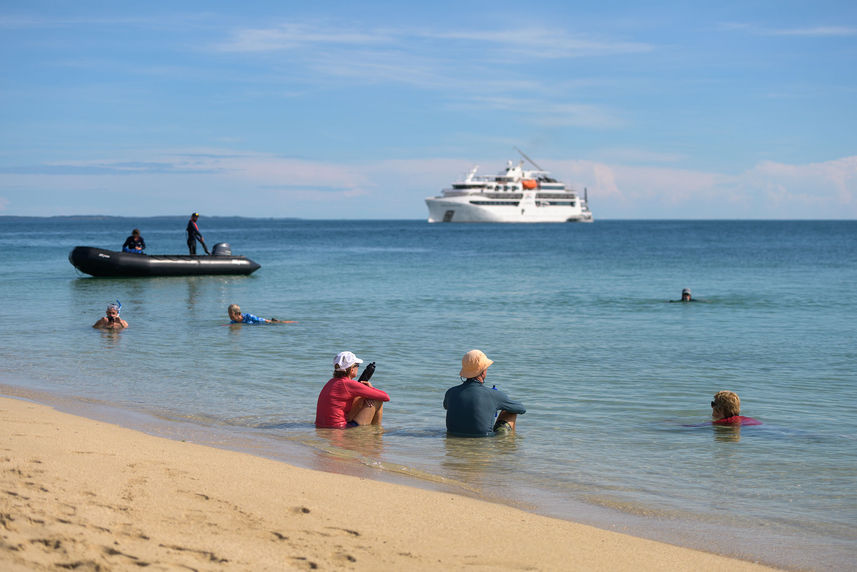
<point x="334" y="401"/>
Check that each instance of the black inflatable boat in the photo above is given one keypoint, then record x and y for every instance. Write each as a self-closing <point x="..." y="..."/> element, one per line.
<point x="100" y="262"/>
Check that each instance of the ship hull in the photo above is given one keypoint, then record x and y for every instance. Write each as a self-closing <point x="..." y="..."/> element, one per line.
<point x="463" y="209"/>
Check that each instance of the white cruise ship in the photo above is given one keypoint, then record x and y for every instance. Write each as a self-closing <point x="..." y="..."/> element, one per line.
<point x="513" y="195"/>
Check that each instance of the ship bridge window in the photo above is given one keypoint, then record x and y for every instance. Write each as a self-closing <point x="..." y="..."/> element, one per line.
<point x="495" y="203"/>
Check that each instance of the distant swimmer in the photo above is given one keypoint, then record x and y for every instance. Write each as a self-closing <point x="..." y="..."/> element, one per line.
<point x="345" y="402"/>
<point x="236" y="317"/>
<point x="193" y="235"/>
<point x="111" y="321"/>
<point x="726" y="410"/>
<point x="685" y="296"/>
<point x="471" y="407"/>
<point x="134" y="243"/>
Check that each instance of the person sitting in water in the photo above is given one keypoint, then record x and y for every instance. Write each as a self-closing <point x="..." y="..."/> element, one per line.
<point x="471" y="407"/>
<point x="134" y="243"/>
<point x="111" y="321"/>
<point x="236" y="317"/>
<point x="726" y="409"/>
<point x="345" y="402"/>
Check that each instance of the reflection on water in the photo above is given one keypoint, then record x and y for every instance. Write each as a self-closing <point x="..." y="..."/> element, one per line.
<point x="481" y="462"/>
<point x="727" y="433"/>
<point x="111" y="339"/>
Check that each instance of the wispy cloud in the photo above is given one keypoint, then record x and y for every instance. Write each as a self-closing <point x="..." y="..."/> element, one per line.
<point x="530" y="43"/>
<point x="543" y="43"/>
<point x="292" y="36"/>
<point x="808" y="32"/>
<point x="557" y="113"/>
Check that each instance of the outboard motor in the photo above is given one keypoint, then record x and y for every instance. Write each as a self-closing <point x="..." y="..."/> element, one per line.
<point x="221" y="249"/>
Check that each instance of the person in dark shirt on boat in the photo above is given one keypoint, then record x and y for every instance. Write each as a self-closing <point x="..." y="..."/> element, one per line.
<point x="726" y="410"/>
<point x="134" y="243"/>
<point x="193" y="235"/>
<point x="471" y="407"/>
<point x="111" y="321"/>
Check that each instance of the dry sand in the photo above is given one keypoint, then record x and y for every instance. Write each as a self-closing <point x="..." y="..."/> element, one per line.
<point x="85" y="495"/>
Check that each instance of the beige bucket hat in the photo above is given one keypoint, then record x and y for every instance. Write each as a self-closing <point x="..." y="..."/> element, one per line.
<point x="473" y="363"/>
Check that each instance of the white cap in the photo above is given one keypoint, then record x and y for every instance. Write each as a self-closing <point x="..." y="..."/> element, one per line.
<point x="344" y="360"/>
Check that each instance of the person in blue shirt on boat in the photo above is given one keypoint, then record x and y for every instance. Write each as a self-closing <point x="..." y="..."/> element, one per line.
<point x="193" y="235"/>
<point x="471" y="407"/>
<point x="134" y="243"/>
<point x="236" y="317"/>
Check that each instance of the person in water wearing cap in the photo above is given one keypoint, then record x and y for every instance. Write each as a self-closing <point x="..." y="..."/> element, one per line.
<point x="685" y="296"/>
<point x="111" y="321"/>
<point x="471" y="407"/>
<point x="236" y="317"/>
<point x="134" y="243"/>
<point x="346" y="402"/>
<point x="193" y="235"/>
<point x="726" y="410"/>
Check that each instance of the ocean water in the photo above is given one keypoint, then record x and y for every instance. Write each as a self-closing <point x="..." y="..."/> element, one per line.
<point x="617" y="380"/>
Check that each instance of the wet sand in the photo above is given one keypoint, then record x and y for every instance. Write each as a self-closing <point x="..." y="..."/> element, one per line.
<point x="85" y="495"/>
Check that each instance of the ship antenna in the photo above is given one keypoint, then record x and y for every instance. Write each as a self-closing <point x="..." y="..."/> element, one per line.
<point x="524" y="155"/>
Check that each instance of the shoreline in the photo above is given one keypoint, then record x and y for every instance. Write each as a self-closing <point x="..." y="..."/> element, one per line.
<point x="88" y="493"/>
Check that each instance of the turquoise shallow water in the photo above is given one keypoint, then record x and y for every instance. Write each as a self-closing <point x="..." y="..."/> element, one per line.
<point x="616" y="379"/>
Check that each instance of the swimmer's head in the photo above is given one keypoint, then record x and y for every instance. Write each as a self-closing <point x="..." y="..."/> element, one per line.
<point x="685" y="294"/>
<point x="727" y="403"/>
<point x="234" y="310"/>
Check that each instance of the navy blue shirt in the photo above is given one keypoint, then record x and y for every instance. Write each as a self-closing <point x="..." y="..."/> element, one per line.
<point x="470" y="408"/>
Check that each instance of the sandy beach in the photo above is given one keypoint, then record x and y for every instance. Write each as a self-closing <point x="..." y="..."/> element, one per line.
<point x="85" y="495"/>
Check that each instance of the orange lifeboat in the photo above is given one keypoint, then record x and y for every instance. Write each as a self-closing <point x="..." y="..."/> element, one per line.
<point x="529" y="184"/>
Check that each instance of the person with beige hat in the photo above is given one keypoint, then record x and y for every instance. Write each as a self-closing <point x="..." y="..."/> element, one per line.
<point x="471" y="407"/>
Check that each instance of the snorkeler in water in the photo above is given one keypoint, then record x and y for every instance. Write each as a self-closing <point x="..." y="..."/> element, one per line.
<point x="111" y="321"/>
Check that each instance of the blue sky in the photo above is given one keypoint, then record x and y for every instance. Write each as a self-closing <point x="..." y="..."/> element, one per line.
<point x="362" y="109"/>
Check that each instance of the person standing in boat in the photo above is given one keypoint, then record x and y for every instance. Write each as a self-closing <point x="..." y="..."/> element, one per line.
<point x="134" y="243"/>
<point x="471" y="407"/>
<point x="193" y="235"/>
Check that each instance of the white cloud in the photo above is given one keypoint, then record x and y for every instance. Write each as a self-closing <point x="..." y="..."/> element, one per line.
<point x="809" y="32"/>
<point x="817" y="31"/>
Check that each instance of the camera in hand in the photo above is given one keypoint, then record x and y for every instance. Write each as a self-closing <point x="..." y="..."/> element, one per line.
<point x="368" y="371"/>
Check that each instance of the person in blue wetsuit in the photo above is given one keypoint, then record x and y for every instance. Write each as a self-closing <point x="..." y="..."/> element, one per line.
<point x="471" y="407"/>
<point x="236" y="317"/>
<point x="134" y="243"/>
